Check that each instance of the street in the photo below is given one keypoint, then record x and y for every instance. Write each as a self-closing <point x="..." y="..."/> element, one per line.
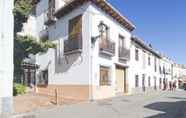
<point x="149" y="105"/>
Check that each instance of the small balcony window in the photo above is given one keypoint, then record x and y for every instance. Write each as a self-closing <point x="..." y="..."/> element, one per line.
<point x="106" y="46"/>
<point x="49" y="14"/>
<point x="124" y="54"/>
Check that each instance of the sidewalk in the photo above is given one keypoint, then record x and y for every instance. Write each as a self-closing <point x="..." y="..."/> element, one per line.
<point x="84" y="110"/>
<point x="29" y="102"/>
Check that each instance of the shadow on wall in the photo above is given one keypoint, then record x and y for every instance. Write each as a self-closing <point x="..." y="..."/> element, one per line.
<point x="64" y="63"/>
<point x="170" y="109"/>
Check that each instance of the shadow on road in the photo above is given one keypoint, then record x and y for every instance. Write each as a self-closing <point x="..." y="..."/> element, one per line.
<point x="179" y="98"/>
<point x="170" y="109"/>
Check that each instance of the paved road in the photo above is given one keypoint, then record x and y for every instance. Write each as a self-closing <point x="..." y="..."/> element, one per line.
<point x="153" y="105"/>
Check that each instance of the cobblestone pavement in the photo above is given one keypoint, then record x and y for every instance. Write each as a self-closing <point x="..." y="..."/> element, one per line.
<point x="152" y="105"/>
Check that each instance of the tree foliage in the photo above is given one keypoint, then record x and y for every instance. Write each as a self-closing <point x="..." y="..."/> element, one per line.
<point x="30" y="45"/>
<point x="25" y="45"/>
<point x="22" y="8"/>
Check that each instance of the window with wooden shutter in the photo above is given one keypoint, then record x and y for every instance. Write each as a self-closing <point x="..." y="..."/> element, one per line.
<point x="104" y="76"/>
<point x="75" y="27"/>
<point x="121" y="41"/>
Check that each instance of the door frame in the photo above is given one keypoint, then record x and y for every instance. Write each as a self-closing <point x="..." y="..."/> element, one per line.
<point x="125" y="89"/>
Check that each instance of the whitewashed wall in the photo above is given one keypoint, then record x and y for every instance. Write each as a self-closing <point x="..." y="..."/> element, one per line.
<point x="96" y="16"/>
<point x="141" y="67"/>
<point x="60" y="71"/>
<point x="167" y="64"/>
<point x="6" y="55"/>
<point x="85" y="67"/>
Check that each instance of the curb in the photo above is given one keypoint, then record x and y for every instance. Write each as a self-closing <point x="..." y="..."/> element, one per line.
<point x="24" y="116"/>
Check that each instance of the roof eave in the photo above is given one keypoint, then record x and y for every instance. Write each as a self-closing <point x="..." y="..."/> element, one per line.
<point x="104" y="5"/>
<point x="143" y="45"/>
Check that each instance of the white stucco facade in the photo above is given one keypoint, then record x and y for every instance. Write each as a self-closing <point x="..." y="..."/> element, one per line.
<point x="83" y="69"/>
<point x="6" y="55"/>
<point x="115" y="30"/>
<point x="146" y="67"/>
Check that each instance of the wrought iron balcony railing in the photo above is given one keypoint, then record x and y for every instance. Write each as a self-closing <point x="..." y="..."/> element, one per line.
<point x="107" y="47"/>
<point x="49" y="16"/>
<point x="124" y="54"/>
<point x="73" y="44"/>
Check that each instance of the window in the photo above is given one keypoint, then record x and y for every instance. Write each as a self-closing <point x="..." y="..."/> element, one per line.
<point x="160" y="83"/>
<point x="136" y="81"/>
<point x="51" y="3"/>
<point x="160" y="70"/>
<point x="137" y="54"/>
<point x="105" y="33"/>
<point x="143" y="80"/>
<point x="144" y="59"/>
<point x="149" y="81"/>
<point x="149" y="61"/>
<point x="51" y="8"/>
<point x="104" y="76"/>
<point x="163" y="69"/>
<point x="75" y="27"/>
<point x="43" y="78"/>
<point x="121" y="41"/>
<point x="155" y="86"/>
<point x="155" y="64"/>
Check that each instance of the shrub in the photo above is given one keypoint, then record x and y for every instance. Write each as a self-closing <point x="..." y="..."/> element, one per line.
<point x="19" y="89"/>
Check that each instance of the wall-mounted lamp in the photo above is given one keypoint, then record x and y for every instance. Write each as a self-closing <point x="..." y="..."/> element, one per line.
<point x="102" y="28"/>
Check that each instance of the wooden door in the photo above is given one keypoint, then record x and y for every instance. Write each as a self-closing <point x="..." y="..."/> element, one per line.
<point x="120" y="80"/>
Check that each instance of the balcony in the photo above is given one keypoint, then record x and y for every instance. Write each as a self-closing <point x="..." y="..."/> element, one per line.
<point x="73" y="44"/>
<point x="107" y="47"/>
<point x="124" y="54"/>
<point x="49" y="16"/>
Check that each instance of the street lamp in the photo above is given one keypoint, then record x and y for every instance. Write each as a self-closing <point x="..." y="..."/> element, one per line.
<point x="101" y="28"/>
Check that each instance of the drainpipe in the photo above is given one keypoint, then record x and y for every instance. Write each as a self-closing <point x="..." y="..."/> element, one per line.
<point x="91" y="73"/>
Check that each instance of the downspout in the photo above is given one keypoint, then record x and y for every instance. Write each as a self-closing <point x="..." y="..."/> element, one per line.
<point x="91" y="57"/>
<point x="91" y="73"/>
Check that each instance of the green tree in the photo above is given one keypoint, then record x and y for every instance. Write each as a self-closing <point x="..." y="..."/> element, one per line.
<point x="25" y="45"/>
<point x="22" y="9"/>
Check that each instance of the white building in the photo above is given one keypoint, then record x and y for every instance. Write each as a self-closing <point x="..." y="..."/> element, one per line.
<point x="6" y="55"/>
<point x="179" y="73"/>
<point x="87" y="61"/>
<point x="96" y="56"/>
<point x="166" y="64"/>
<point x="144" y="66"/>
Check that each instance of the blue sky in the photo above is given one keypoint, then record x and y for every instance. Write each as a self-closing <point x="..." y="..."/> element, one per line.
<point x="159" y="22"/>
